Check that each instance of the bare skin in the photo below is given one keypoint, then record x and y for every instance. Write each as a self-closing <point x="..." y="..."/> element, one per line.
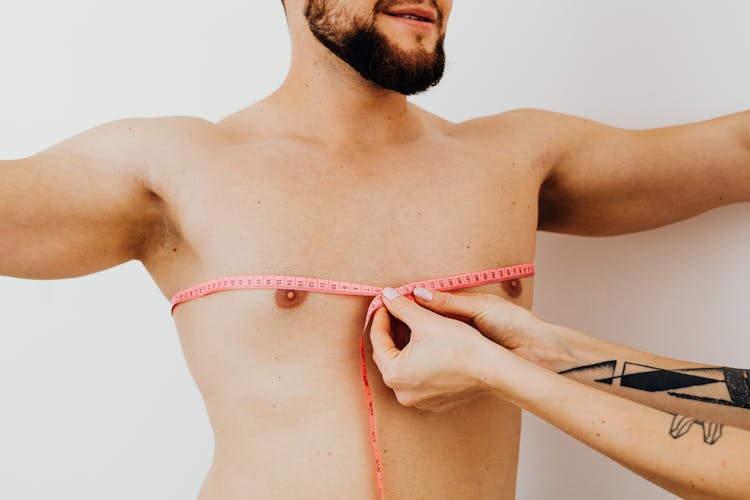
<point x="256" y="354"/>
<point x="688" y="448"/>
<point x="363" y="187"/>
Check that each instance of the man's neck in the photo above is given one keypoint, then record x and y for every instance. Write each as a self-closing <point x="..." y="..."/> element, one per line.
<point x="328" y="101"/>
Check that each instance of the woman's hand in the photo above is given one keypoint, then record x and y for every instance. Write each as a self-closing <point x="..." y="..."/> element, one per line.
<point x="446" y="361"/>
<point x="503" y="322"/>
<point x="440" y="367"/>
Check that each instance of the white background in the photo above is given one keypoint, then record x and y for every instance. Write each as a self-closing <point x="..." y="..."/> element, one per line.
<point x="95" y="397"/>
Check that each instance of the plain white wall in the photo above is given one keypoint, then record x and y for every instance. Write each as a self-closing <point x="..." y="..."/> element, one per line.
<point x="95" y="397"/>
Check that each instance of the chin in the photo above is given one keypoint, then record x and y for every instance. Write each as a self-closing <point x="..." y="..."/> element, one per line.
<point x="413" y="44"/>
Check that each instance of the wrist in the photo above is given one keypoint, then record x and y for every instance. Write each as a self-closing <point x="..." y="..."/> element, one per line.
<point x="575" y="349"/>
<point x="486" y="364"/>
<point x="553" y="347"/>
<point x="510" y="377"/>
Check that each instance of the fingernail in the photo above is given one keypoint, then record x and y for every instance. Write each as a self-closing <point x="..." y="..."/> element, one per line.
<point x="390" y="293"/>
<point x="423" y="294"/>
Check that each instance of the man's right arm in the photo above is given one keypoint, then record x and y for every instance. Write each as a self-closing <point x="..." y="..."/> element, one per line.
<point x="80" y="206"/>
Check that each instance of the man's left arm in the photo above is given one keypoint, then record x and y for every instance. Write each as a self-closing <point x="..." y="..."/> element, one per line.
<point x="603" y="180"/>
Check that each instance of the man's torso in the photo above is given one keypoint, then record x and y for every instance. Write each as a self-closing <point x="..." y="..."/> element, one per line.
<point x="282" y="385"/>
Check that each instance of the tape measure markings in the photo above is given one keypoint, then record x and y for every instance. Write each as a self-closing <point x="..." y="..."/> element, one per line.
<point x="305" y="284"/>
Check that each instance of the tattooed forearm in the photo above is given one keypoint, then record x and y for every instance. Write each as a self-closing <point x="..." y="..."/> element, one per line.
<point x="682" y="424"/>
<point x="720" y="385"/>
<point x="738" y="383"/>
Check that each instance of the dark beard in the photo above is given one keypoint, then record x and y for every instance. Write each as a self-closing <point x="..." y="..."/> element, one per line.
<point x="373" y="56"/>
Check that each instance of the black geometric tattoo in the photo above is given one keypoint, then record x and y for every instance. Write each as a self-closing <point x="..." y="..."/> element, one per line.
<point x="676" y="382"/>
<point x="608" y="365"/>
<point x="682" y="424"/>
<point x="738" y="383"/>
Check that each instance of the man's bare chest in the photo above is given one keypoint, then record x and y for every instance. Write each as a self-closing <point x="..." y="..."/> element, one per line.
<point x="364" y="219"/>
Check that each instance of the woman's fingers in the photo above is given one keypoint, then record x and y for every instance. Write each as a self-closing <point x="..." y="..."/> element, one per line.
<point x="404" y="309"/>
<point x="384" y="350"/>
<point x="465" y="305"/>
<point x="499" y="320"/>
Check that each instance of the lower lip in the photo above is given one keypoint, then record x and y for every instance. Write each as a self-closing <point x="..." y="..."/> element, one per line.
<point x="413" y="23"/>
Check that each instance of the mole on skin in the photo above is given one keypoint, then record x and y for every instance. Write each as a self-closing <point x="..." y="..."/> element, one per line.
<point x="513" y="288"/>
<point x="286" y="299"/>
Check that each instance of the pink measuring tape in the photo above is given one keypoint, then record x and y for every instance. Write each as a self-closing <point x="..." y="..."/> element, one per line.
<point x="299" y="283"/>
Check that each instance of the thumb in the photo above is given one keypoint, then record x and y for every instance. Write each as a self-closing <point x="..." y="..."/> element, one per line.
<point x="403" y="308"/>
<point x="384" y="350"/>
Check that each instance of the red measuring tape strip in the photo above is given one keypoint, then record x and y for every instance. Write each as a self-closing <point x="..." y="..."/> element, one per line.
<point x="300" y="283"/>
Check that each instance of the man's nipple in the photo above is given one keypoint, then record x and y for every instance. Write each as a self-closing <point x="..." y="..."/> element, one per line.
<point x="513" y="288"/>
<point x="286" y="299"/>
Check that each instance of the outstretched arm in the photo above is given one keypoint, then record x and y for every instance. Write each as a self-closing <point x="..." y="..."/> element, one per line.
<point x="600" y="180"/>
<point x="447" y="362"/>
<point x="82" y="205"/>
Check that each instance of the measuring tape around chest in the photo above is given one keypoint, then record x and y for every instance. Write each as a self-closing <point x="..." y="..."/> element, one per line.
<point x="305" y="284"/>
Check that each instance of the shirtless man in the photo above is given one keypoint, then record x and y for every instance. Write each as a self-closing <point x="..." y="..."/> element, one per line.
<point x="337" y="176"/>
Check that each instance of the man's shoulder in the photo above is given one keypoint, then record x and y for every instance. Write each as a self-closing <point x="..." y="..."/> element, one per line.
<point x="156" y="145"/>
<point x="550" y="134"/>
<point x="165" y="131"/>
<point x="153" y="150"/>
<point x="543" y="137"/>
<point x="139" y="140"/>
<point x="516" y="120"/>
<point x="133" y="145"/>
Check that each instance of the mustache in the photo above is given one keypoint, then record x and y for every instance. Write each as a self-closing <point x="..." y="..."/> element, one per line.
<point x="384" y="5"/>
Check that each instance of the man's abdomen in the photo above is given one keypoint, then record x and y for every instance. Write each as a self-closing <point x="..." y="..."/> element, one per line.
<point x="470" y="452"/>
<point x="284" y="395"/>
